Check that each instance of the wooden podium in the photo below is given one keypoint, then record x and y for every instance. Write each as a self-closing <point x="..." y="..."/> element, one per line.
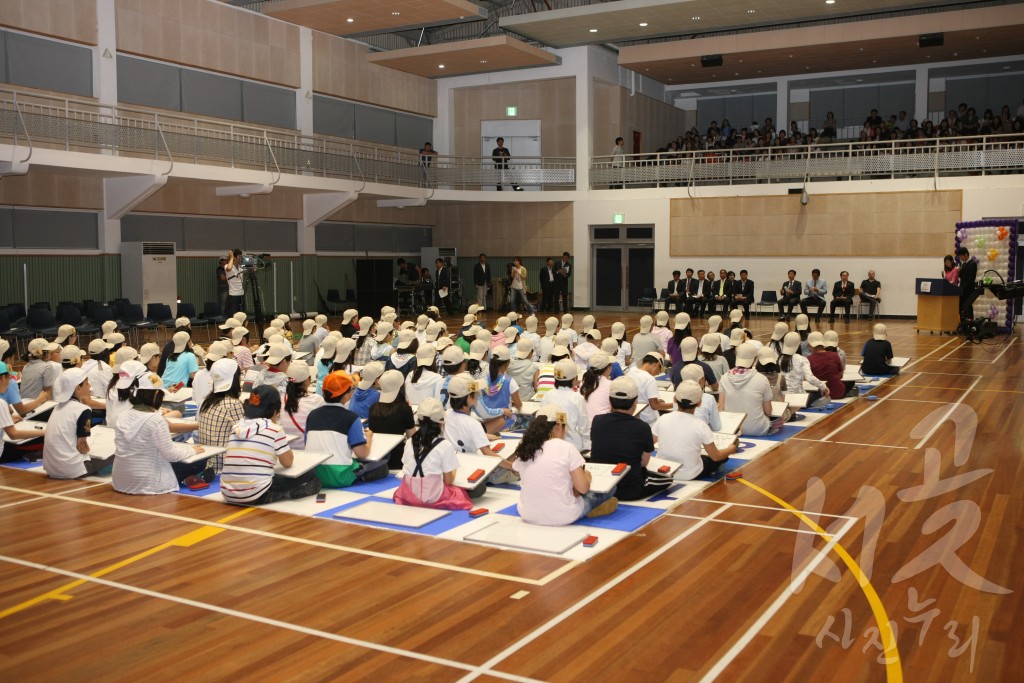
<point x="938" y="305"/>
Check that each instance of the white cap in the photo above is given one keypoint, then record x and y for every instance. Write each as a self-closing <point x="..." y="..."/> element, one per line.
<point x="133" y="370"/>
<point x="531" y="323"/>
<point x="64" y="332"/>
<point x="474" y="309"/>
<point x="552" y="413"/>
<point x="791" y="343"/>
<point x="240" y="316"/>
<point x="599" y="361"/>
<point x="501" y="352"/>
<point x="278" y="353"/>
<point x="653" y="354"/>
<point x="690" y="392"/>
<point x="308" y="325"/>
<point x="238" y="334"/>
<point x="284" y="317"/>
<point x="524" y="348"/>
<point x="320" y="320"/>
<point x="462" y="385"/>
<point x="682" y="320"/>
<point x="453" y="355"/>
<point x="406" y="338"/>
<point x="610" y="346"/>
<point x="550" y="325"/>
<point x="879" y="332"/>
<point x="328" y="348"/>
<point x="383" y="330"/>
<point x="766" y="355"/>
<point x="619" y="331"/>
<point x="107" y="327"/>
<point x="661" y="318"/>
<point x="125" y="353"/>
<point x="622" y="387"/>
<point x="802" y="322"/>
<point x="276" y="323"/>
<point x="390" y="384"/>
<point x="594" y="334"/>
<point x="365" y="323"/>
<point x="736" y="315"/>
<point x="232" y="323"/>
<point x="370" y="373"/>
<point x="347" y="316"/>
<point x="218" y="350"/>
<point x="433" y="331"/>
<point x="746" y="354"/>
<point x="421" y="322"/>
<point x="692" y="372"/>
<point x="688" y="349"/>
<point x="71" y="352"/>
<point x="501" y="324"/>
<point x="407" y="325"/>
<point x="97" y="346"/>
<point x="737" y="336"/>
<point x="714" y="323"/>
<point x="512" y="316"/>
<point x="148" y="350"/>
<point x="64" y="387"/>
<point x="560" y="351"/>
<point x="298" y="372"/>
<point x="779" y="331"/>
<point x="343" y="349"/>
<point x="485" y="336"/>
<point x="510" y="334"/>
<point x="426" y="355"/>
<point x="223" y="372"/>
<point x="431" y="409"/>
<point x="645" y="324"/>
<point x="815" y="339"/>
<point x="182" y="322"/>
<point x="566" y="369"/>
<point x="831" y="338"/>
<point x="588" y="322"/>
<point x="567" y="320"/>
<point x="478" y="349"/>
<point x="443" y="342"/>
<point x="180" y="340"/>
<point x="115" y="338"/>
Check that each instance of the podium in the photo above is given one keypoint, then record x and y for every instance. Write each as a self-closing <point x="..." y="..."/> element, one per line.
<point x="938" y="305"/>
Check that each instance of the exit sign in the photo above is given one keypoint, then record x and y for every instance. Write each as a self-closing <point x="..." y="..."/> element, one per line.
<point x="618" y="218"/>
<point x="511" y="111"/>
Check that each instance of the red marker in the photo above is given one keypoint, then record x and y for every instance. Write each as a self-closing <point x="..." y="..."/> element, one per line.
<point x="664" y="469"/>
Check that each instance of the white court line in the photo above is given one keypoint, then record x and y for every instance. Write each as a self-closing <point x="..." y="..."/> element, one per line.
<point x="400" y="652"/>
<point x="916" y="400"/>
<point x="1004" y="351"/>
<point x="759" y="526"/>
<point x="768" y="507"/>
<point x="723" y="663"/>
<point x="304" y="541"/>
<point x="36" y="500"/>
<point x="952" y="407"/>
<point x="874" y="405"/>
<point x="488" y="666"/>
<point x="845" y="443"/>
<point x="962" y="344"/>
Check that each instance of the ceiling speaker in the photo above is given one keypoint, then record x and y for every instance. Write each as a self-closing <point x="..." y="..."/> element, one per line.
<point x="930" y="40"/>
<point x="711" y="60"/>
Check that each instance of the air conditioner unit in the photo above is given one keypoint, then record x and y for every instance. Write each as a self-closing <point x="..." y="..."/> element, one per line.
<point x="428" y="255"/>
<point x="149" y="273"/>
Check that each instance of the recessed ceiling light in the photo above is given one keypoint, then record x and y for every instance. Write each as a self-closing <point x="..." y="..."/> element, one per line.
<point x="695" y="18"/>
<point x="737" y="73"/>
<point x="643" y="23"/>
<point x="593" y="30"/>
<point x="751" y="11"/>
<point x="483" y="61"/>
<point x="955" y="54"/>
<point x="860" y="80"/>
<point x="440" y="66"/>
<point x="830" y="2"/>
<point x="395" y="14"/>
<point x="350" y="20"/>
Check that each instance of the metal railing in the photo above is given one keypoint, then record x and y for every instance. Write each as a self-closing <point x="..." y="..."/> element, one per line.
<point x="81" y="125"/>
<point x="978" y="155"/>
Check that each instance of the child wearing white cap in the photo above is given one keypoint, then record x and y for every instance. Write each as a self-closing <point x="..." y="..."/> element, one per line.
<point x="96" y="368"/>
<point x="877" y="353"/>
<point x="349" y="323"/>
<point x="661" y="329"/>
<point x="644" y="341"/>
<point x="392" y="414"/>
<point x="66" y="447"/>
<point x="565" y="397"/>
<point x="566" y="326"/>
<point x="586" y="348"/>
<point x="681" y="435"/>
<point x="241" y="352"/>
<point x="279" y="357"/>
<point x="463" y="430"/>
<point x="453" y="362"/>
<point x="680" y="331"/>
<point x="381" y="341"/>
<point x="595" y="384"/>
<point x="711" y="354"/>
<point x="39" y="375"/>
<point x="12" y="395"/>
<point x="310" y="341"/>
<point x="182" y="364"/>
<point x="222" y="410"/>
<point x="298" y="404"/>
<point x="10" y="452"/>
<point x="424" y="382"/>
<point x="364" y="340"/>
<point x="745" y="390"/>
<point x="649" y="366"/>
<point x="797" y="370"/>
<point x="429" y="464"/>
<point x="148" y="462"/>
<point x="322" y="328"/>
<point x="524" y="369"/>
<point x="555" y="486"/>
<point x="618" y="436"/>
<point x="202" y="383"/>
<point x="547" y="342"/>
<point x="708" y="408"/>
<point x="67" y="335"/>
<point x="404" y="357"/>
<point x="530" y="331"/>
<point x="367" y="391"/>
<point x="612" y="348"/>
<point x="501" y="392"/>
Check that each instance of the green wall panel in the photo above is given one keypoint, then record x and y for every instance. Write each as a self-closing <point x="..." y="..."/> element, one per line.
<point x="60" y="278"/>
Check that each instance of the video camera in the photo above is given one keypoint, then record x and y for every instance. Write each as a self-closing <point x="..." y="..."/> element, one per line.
<point x="252" y="261"/>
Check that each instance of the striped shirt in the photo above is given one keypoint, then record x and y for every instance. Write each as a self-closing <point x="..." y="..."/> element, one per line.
<point x="243" y="356"/>
<point x="217" y="425"/>
<point x="252" y="452"/>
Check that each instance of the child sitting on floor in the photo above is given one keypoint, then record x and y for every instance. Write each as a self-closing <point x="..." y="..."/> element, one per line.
<point x="681" y="435"/>
<point x="429" y="463"/>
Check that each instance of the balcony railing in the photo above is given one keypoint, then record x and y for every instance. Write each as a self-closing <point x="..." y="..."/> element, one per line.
<point x="978" y="155"/>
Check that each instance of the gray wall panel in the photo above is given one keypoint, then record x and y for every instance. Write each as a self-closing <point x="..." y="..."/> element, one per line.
<point x="268" y="105"/>
<point x="270" y="236"/>
<point x="373" y="238"/>
<point x="413" y="131"/>
<point x="213" y="234"/>
<point x="140" y="81"/>
<point x="44" y="229"/>
<point x="211" y="95"/>
<point x="6" y="228"/>
<point x="332" y="116"/>
<point x="141" y="227"/>
<point x="48" y="64"/>
<point x="894" y="98"/>
<point x="823" y="102"/>
<point x="4" y="76"/>
<point x="334" y="237"/>
<point x="375" y="125"/>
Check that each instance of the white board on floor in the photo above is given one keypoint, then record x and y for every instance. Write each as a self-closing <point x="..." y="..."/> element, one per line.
<point x="101" y="442"/>
<point x="389" y="513"/>
<point x="601" y="478"/>
<point x="304" y="461"/>
<point x="208" y="452"/>
<point x="29" y="426"/>
<point x="731" y="422"/>
<point x="381" y="444"/>
<point x="797" y="400"/>
<point x="898" y="361"/>
<point x="778" y="409"/>
<point x="470" y="463"/>
<point x="529" y="408"/>
<point x="655" y="464"/>
<point x="517" y="534"/>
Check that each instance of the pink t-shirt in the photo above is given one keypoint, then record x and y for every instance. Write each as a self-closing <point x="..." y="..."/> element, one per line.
<point x="599" y="402"/>
<point x="295" y="424"/>
<point x="547" y="495"/>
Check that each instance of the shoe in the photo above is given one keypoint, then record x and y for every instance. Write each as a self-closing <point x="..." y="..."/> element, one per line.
<point x="782" y="318"/>
<point x="817" y="319"/>
<point x="605" y="508"/>
<point x="831" y="320"/>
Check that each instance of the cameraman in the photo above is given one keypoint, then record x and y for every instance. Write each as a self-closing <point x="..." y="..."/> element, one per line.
<point x="236" y="293"/>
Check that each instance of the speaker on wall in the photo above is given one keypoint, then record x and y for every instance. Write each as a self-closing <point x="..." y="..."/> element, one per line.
<point x="711" y="60"/>
<point x="931" y="40"/>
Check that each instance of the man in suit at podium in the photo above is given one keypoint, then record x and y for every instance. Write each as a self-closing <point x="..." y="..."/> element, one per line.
<point x="743" y="294"/>
<point x="675" y="292"/>
<point x="482" y="280"/>
<point x="968" y="280"/>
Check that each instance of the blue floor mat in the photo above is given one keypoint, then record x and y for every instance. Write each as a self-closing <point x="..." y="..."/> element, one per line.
<point x="830" y="408"/>
<point x="787" y="431"/>
<point x="665" y="495"/>
<point x="625" y="518"/>
<point x="214" y="487"/>
<point x="727" y="467"/>
<point x="386" y="484"/>
<point x="446" y="523"/>
<point x="23" y="464"/>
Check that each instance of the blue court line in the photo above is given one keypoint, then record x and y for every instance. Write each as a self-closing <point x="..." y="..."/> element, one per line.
<point x="626" y="518"/>
<point x="450" y="521"/>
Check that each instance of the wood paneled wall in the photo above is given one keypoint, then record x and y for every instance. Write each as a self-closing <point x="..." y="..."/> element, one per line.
<point x="340" y="69"/>
<point x="869" y="224"/>
<point x="505" y="229"/>
<point x="208" y="35"/>
<point x="73" y="20"/>
<point x="659" y="122"/>
<point x="552" y="101"/>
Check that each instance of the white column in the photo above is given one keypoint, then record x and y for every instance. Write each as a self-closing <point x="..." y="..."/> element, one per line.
<point x="304" y="97"/>
<point x="104" y="64"/>
<point x="782" y="105"/>
<point x="921" y="93"/>
<point x="584" y="120"/>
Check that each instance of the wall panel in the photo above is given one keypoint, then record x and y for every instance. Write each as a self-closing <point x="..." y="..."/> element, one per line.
<point x="73" y="20"/>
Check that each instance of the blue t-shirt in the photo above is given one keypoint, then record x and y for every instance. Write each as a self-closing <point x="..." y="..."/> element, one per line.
<point x="178" y="370"/>
<point x="362" y="401"/>
<point x="617" y="371"/>
<point x="322" y="370"/>
<point x="497" y="396"/>
<point x="13" y="394"/>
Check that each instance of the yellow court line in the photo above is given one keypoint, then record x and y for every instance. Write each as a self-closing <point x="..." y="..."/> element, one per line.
<point x="183" y="541"/>
<point x="893" y="670"/>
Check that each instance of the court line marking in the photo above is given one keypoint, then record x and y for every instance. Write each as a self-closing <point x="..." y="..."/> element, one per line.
<point x="488" y="666"/>
<point x="570" y="564"/>
<point x="962" y="345"/>
<point x="85" y="578"/>
<point x="759" y="526"/>
<point x="185" y="540"/>
<point x="36" y="500"/>
<point x="867" y="410"/>
<point x="766" y="507"/>
<point x="949" y="412"/>
<point x="741" y="643"/>
<point x="1013" y="339"/>
<point x="844" y="443"/>
<point x="893" y="669"/>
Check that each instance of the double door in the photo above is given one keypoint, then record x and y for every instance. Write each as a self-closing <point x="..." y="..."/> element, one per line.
<point x="620" y="274"/>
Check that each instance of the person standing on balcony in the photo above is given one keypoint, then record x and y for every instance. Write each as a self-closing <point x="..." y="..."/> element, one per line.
<point x="618" y="162"/>
<point x="500" y="155"/>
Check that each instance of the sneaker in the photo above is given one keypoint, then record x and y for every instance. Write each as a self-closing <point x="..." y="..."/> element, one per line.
<point x="605" y="508"/>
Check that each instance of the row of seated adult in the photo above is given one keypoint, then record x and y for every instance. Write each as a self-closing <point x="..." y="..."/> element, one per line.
<point x="704" y="295"/>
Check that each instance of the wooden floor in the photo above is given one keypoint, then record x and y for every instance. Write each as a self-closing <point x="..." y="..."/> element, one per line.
<point x="920" y="490"/>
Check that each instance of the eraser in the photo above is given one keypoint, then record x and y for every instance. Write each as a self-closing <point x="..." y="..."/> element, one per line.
<point x="497" y="447"/>
<point x="664" y="469"/>
<point x="479" y="512"/>
<point x="734" y="475"/>
<point x="619" y="469"/>
<point x="590" y="541"/>
<point x="475" y="476"/>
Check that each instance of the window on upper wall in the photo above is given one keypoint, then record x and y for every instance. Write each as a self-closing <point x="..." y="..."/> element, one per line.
<point x="45" y="64"/>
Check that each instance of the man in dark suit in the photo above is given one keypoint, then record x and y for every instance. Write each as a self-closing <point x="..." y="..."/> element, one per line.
<point x="548" y="285"/>
<point x="562" y="278"/>
<point x="842" y="295"/>
<point x="968" y="280"/>
<point x="789" y="296"/>
<point x="699" y="295"/>
<point x="721" y="293"/>
<point x="689" y="282"/>
<point x="482" y="280"/>
<point x="443" y="286"/>
<point x="675" y="292"/>
<point x="743" y="294"/>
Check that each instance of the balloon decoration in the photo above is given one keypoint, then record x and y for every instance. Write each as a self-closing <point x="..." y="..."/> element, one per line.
<point x="993" y="246"/>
